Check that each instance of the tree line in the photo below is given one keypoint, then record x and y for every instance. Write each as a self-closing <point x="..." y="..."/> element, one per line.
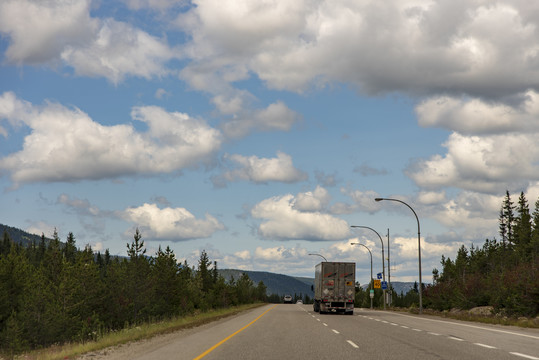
<point x="502" y="273"/>
<point x="52" y="292"/>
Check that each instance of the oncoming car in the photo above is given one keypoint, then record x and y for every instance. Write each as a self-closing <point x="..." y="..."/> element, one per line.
<point x="287" y="299"/>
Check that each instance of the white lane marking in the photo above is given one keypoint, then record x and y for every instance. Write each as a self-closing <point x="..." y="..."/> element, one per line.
<point x="404" y="327"/>
<point x="385" y="322"/>
<point x="394" y="324"/>
<point x="433" y="333"/>
<point x="335" y="331"/>
<point x="455" y="338"/>
<point x="524" y="356"/>
<point x="485" y="346"/>
<point x="325" y="324"/>
<point x="417" y="329"/>
<point x="317" y="319"/>
<point x="352" y="343"/>
<point x="466" y="325"/>
<point x="377" y="320"/>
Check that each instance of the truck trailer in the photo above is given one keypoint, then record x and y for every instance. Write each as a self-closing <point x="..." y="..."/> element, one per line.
<point x="334" y="287"/>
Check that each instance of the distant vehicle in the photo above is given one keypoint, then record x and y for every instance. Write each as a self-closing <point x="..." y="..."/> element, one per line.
<point x="300" y="302"/>
<point x="334" y="287"/>
<point x="287" y="299"/>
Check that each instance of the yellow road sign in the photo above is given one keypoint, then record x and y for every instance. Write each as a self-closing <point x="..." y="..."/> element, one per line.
<point x="377" y="284"/>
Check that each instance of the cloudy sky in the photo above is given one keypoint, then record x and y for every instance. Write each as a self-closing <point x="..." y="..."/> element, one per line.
<point x="261" y="131"/>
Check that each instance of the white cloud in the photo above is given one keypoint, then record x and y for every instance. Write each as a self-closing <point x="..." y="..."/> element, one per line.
<point x="431" y="197"/>
<point x="483" y="164"/>
<point x="40" y="30"/>
<point x="67" y="145"/>
<point x="262" y="170"/>
<point x="50" y="32"/>
<point x="281" y="220"/>
<point x="409" y="46"/>
<point x="476" y="116"/>
<point x="175" y="224"/>
<point x="316" y="200"/>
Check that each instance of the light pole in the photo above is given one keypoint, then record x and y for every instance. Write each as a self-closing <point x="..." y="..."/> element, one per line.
<point x="418" y="249"/>
<point x="383" y="257"/>
<point x="320" y="256"/>
<point x="372" y="280"/>
<point x="389" y="272"/>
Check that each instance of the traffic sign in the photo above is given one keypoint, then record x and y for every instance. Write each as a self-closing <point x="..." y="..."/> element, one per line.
<point x="377" y="284"/>
<point x="371" y="294"/>
<point x="379" y="276"/>
<point x="384" y="285"/>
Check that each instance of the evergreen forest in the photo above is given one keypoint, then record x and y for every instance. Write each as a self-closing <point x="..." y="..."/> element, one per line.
<point x="502" y="273"/>
<point x="51" y="292"/>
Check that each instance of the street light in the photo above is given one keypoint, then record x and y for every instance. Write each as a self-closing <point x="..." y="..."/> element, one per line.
<point x="320" y="256"/>
<point x="372" y="280"/>
<point x="418" y="249"/>
<point x="383" y="257"/>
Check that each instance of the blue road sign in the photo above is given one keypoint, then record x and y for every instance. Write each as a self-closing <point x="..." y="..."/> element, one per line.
<point x="379" y="276"/>
<point x="384" y="285"/>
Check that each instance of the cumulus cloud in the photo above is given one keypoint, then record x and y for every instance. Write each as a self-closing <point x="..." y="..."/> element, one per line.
<point x="484" y="164"/>
<point x="478" y="117"/>
<point x="457" y="47"/>
<point x="67" y="145"/>
<point x="281" y="220"/>
<point x="64" y="32"/>
<point x="175" y="224"/>
<point x="261" y="170"/>
<point x="316" y="200"/>
<point x="431" y="197"/>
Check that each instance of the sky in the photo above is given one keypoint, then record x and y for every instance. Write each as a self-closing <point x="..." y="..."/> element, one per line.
<point x="261" y="131"/>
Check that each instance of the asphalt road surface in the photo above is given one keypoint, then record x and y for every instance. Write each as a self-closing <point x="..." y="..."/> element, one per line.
<point x="296" y="332"/>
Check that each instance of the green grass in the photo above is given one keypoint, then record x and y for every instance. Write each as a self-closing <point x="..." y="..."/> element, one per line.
<point x="143" y="331"/>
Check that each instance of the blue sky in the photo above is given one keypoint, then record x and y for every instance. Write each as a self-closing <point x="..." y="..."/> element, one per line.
<point x="261" y="131"/>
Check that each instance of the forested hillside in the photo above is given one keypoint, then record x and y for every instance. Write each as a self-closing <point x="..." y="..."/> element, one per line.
<point x="53" y="293"/>
<point x="502" y="273"/>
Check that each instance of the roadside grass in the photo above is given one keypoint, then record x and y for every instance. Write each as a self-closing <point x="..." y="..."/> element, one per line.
<point x="466" y="316"/>
<point x="135" y="333"/>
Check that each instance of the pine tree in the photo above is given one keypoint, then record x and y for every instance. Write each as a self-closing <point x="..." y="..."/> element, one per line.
<point x="138" y="277"/>
<point x="70" y="250"/>
<point x="507" y="220"/>
<point x="523" y="229"/>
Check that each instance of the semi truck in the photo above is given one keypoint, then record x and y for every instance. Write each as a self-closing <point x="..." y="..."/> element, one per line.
<point x="334" y="287"/>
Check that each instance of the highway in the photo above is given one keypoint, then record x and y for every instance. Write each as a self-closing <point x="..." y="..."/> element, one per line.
<point x="296" y="332"/>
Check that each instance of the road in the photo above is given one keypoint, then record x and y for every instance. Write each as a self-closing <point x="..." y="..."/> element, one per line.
<point x="296" y="332"/>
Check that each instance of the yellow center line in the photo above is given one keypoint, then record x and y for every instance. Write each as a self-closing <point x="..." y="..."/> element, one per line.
<point x="230" y="336"/>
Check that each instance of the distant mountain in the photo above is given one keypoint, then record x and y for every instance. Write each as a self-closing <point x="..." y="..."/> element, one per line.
<point x="275" y="283"/>
<point x="20" y="236"/>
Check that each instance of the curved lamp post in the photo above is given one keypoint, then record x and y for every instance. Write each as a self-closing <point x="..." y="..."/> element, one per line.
<point x="383" y="257"/>
<point x="320" y="256"/>
<point x="418" y="249"/>
<point x="372" y="280"/>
